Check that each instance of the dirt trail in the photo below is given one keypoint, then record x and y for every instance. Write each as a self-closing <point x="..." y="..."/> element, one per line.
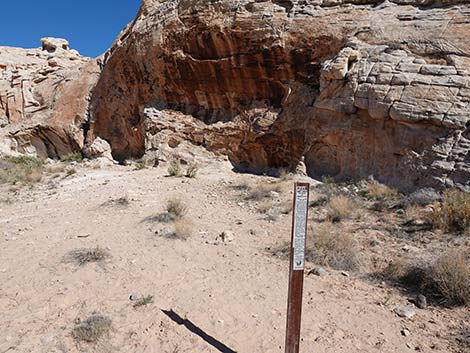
<point x="235" y="292"/>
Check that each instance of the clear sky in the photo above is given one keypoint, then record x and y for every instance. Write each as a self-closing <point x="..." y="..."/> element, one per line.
<point x="89" y="25"/>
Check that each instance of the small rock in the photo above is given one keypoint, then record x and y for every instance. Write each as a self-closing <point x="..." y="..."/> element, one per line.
<point x="405" y="332"/>
<point x="274" y="194"/>
<point x="345" y="274"/>
<point x="318" y="271"/>
<point x="134" y="297"/>
<point x="405" y="312"/>
<point x="421" y="302"/>
<point x="227" y="236"/>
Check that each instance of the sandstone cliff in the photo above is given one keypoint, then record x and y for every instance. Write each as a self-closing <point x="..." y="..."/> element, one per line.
<point x="356" y="88"/>
<point x="351" y="87"/>
<point x="44" y="98"/>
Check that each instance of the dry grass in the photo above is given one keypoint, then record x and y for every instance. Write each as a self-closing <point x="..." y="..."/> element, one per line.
<point x="453" y="213"/>
<point x="414" y="212"/>
<point x="174" y="168"/>
<point x="21" y="170"/>
<point x="121" y="202"/>
<point x="338" y="251"/>
<point x="192" y="170"/>
<point x="450" y="277"/>
<point x="92" y="329"/>
<point x="84" y="256"/>
<point x="327" y="248"/>
<point x="446" y="280"/>
<point x="144" y="301"/>
<point x="263" y="191"/>
<point x="176" y="208"/>
<point x="140" y="165"/>
<point x="55" y="168"/>
<point x="70" y="172"/>
<point x="182" y="229"/>
<point x="379" y="191"/>
<point x="273" y="210"/>
<point x="339" y="208"/>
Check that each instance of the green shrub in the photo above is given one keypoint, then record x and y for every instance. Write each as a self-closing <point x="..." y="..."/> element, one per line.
<point x="72" y="157"/>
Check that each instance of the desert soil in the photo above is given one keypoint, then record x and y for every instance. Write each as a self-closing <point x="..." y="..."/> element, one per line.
<point x="233" y="291"/>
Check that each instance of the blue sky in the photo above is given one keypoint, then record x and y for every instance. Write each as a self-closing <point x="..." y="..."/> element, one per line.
<point x="89" y="25"/>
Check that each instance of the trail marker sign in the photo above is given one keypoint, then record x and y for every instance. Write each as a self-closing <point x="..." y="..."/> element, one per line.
<point x="297" y="266"/>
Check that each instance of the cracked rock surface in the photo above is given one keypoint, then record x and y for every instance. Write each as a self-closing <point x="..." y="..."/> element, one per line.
<point x="353" y="88"/>
<point x="44" y="98"/>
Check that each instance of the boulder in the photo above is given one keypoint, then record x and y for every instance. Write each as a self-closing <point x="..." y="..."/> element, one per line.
<point x="44" y="99"/>
<point x="50" y="44"/>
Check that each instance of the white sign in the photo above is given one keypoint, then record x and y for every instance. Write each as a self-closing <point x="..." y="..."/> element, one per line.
<point x="300" y="227"/>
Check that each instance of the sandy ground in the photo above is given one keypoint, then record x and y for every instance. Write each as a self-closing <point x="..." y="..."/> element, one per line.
<point x="235" y="291"/>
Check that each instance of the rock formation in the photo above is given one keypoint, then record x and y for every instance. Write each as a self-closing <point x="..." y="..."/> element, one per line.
<point x="352" y="88"/>
<point x="44" y="97"/>
<point x="355" y="88"/>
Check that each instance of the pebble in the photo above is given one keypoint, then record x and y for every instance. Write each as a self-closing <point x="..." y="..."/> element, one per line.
<point x="227" y="236"/>
<point x="345" y="274"/>
<point x="134" y="297"/>
<point x="405" y="332"/>
<point x="405" y="312"/>
<point x="421" y="302"/>
<point x="318" y="271"/>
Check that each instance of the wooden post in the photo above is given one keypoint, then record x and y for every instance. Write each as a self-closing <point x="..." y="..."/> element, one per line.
<point x="297" y="266"/>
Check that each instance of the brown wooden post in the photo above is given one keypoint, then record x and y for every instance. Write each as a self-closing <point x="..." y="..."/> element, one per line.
<point x="297" y="266"/>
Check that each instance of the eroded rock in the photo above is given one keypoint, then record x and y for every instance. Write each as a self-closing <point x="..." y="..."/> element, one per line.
<point x="271" y="83"/>
<point x="44" y="98"/>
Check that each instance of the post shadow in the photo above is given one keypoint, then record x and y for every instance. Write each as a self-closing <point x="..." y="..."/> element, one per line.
<point x="197" y="331"/>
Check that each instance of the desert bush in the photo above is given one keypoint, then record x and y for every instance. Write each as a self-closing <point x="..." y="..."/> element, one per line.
<point x="140" y="165"/>
<point x="339" y="208"/>
<point x="72" y="157"/>
<point x="92" y="329"/>
<point x="446" y="280"/>
<point x="182" y="229"/>
<point x="70" y="172"/>
<point x="174" y="168"/>
<point x="192" y="170"/>
<point x="413" y="212"/>
<point x="379" y="191"/>
<point x="327" y="248"/>
<point x="176" y="208"/>
<point x="263" y="191"/>
<point x="450" y="277"/>
<point x="146" y="300"/>
<point x="55" y="168"/>
<point x="119" y="202"/>
<point x="84" y="256"/>
<point x="26" y="161"/>
<point x="328" y="180"/>
<point x="453" y="213"/>
<point x="23" y="169"/>
<point x="338" y="251"/>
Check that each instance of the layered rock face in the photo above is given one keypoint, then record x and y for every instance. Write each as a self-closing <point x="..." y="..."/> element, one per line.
<point x="44" y="97"/>
<point x="355" y="88"/>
